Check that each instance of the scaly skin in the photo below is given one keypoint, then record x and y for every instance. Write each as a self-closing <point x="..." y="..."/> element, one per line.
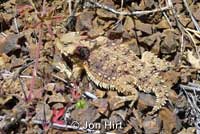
<point x="116" y="67"/>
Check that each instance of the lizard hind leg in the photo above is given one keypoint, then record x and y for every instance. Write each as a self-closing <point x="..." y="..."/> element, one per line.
<point x="154" y="85"/>
<point x="125" y="86"/>
<point x="161" y="98"/>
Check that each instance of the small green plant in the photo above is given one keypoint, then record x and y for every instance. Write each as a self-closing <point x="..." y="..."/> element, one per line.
<point x="80" y="104"/>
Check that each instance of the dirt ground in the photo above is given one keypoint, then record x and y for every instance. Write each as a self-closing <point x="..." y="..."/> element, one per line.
<point x="45" y="86"/>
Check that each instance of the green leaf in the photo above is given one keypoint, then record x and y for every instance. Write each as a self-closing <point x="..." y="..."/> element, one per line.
<point x="80" y="104"/>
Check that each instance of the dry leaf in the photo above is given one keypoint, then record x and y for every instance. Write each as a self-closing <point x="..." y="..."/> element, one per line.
<point x="105" y="14"/>
<point x="169" y="119"/>
<point x="102" y="106"/>
<point x="84" y="21"/>
<point x="190" y="130"/>
<point x="195" y="62"/>
<point x="163" y="24"/>
<point x="144" y="101"/>
<point x="152" y="125"/>
<point x="128" y="24"/>
<point x="144" y="27"/>
<point x="9" y="43"/>
<point x="63" y="68"/>
<point x="43" y="112"/>
<point x="88" y="114"/>
<point x="170" y="43"/>
<point x="115" y="101"/>
<point x="4" y="59"/>
<point x="55" y="98"/>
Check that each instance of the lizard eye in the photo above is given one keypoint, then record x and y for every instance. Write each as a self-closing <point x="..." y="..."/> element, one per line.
<point x="82" y="52"/>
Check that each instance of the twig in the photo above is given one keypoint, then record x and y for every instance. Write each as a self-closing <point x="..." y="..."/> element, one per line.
<point x="191" y="15"/>
<point x="168" y="21"/>
<point x="128" y="13"/>
<point x="169" y="4"/>
<point x="33" y="5"/>
<point x="194" y="42"/>
<point x="43" y="8"/>
<point x="23" y="91"/>
<point x="3" y="34"/>
<point x="63" y="80"/>
<point x="192" y="99"/>
<point x="8" y="75"/>
<point x="70" y="7"/>
<point x="90" y="95"/>
<point x="189" y="88"/>
<point x="16" y="25"/>
<point x="37" y="55"/>
<point x="197" y="33"/>
<point x="21" y="69"/>
<point x="194" y="85"/>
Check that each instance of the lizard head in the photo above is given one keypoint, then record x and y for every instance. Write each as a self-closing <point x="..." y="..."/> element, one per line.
<point x="82" y="52"/>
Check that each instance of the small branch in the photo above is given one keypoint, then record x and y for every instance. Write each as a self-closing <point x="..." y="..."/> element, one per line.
<point x="9" y="75"/>
<point x="194" y="85"/>
<point x="16" y="25"/>
<point x="191" y="15"/>
<point x="63" y="80"/>
<point x="127" y="13"/>
<point x="35" y="68"/>
<point x="21" y="69"/>
<point x="70" y="7"/>
<point x="90" y="95"/>
<point x="3" y="34"/>
<point x="189" y="88"/>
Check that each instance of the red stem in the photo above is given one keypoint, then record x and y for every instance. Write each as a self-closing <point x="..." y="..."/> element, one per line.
<point x="37" y="55"/>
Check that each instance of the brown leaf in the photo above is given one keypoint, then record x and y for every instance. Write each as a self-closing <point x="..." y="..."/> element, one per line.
<point x="144" y="27"/>
<point x="171" y="77"/>
<point x="114" y="100"/>
<point x="115" y="33"/>
<point x="95" y="32"/>
<point x="170" y="42"/>
<point x="152" y="125"/>
<point x="184" y="20"/>
<point x="144" y="101"/>
<point x="100" y="93"/>
<point x="189" y="130"/>
<point x="56" y="98"/>
<point x="43" y="112"/>
<point x="4" y="21"/>
<point x="163" y="24"/>
<point x="150" y="40"/>
<point x="84" y="21"/>
<point x="169" y="119"/>
<point x="128" y="24"/>
<point x="88" y="114"/>
<point x="9" y="43"/>
<point x="3" y="60"/>
<point x="102" y="106"/>
<point x="196" y="14"/>
<point x="105" y="14"/>
<point x="195" y="62"/>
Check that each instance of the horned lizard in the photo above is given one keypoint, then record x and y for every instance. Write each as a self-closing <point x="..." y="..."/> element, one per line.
<point x="116" y="67"/>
